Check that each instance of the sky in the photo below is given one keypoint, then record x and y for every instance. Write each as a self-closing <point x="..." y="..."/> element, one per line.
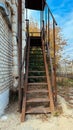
<point x="63" y="13"/>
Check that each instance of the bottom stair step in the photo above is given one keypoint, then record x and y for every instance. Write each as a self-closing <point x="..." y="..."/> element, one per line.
<point x="37" y="100"/>
<point x="38" y="110"/>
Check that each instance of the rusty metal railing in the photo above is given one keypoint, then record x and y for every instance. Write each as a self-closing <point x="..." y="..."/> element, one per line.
<point x="46" y="23"/>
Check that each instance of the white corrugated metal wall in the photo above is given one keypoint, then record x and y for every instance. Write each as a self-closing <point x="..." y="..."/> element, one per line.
<point x="6" y="50"/>
<point x="6" y="61"/>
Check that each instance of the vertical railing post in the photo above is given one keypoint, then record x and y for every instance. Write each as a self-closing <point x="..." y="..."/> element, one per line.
<point x="43" y="30"/>
<point x="26" y="14"/>
<point x="48" y="27"/>
<point x="54" y="60"/>
<point x="27" y="28"/>
<point x="20" y="51"/>
<point x="41" y="19"/>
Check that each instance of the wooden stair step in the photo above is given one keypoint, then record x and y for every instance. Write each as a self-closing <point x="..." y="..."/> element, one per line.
<point x="36" y="77"/>
<point x="37" y="100"/>
<point x="37" y="83"/>
<point x="38" y="110"/>
<point x="37" y="91"/>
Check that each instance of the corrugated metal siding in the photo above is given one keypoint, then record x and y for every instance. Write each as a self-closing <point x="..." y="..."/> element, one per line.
<point x="6" y="58"/>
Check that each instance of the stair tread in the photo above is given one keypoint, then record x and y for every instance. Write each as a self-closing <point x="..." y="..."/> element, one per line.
<point x="33" y="71"/>
<point x="38" y="110"/>
<point x="37" y="91"/>
<point x="41" y="83"/>
<point x="37" y="59"/>
<point x="39" y="66"/>
<point x="37" y="100"/>
<point x="35" y="54"/>
<point x="36" y="62"/>
<point x="36" y="76"/>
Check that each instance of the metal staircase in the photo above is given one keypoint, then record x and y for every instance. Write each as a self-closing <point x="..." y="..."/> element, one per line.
<point x="39" y="91"/>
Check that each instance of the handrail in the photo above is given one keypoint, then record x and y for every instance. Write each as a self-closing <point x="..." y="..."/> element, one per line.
<point x="26" y="81"/>
<point x="27" y="61"/>
<point x="48" y="78"/>
<point x="51" y="14"/>
<point x="52" y="71"/>
<point x="48" y="52"/>
<point x="51" y="64"/>
<point x="46" y="38"/>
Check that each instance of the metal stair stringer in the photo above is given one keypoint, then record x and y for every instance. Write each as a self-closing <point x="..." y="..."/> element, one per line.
<point x="26" y="82"/>
<point x="48" y="79"/>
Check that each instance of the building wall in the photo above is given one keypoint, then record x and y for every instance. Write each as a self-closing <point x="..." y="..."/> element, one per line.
<point x="6" y="55"/>
<point x="9" y="49"/>
<point x="6" y="62"/>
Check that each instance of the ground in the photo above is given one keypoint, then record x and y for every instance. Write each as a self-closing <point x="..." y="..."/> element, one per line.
<point x="62" y="121"/>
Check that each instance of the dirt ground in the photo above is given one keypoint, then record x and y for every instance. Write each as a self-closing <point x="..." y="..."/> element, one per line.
<point x="64" y="121"/>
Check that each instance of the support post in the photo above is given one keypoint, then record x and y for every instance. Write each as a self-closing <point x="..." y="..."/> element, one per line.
<point x="48" y="27"/>
<point x="54" y="60"/>
<point x="20" y="51"/>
